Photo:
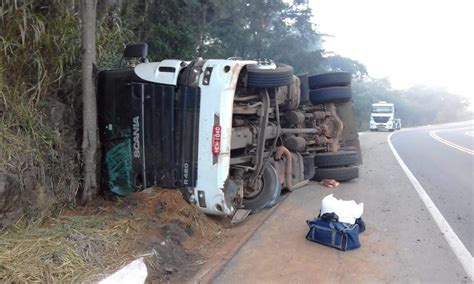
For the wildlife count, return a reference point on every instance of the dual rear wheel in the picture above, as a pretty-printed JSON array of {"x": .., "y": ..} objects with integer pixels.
[
  {"x": 340, "y": 166},
  {"x": 333, "y": 88}
]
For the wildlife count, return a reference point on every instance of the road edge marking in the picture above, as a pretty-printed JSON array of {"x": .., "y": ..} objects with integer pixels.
[
  {"x": 449, "y": 143},
  {"x": 461, "y": 252}
]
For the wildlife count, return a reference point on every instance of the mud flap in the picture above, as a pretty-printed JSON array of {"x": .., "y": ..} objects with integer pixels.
[{"x": 240, "y": 216}]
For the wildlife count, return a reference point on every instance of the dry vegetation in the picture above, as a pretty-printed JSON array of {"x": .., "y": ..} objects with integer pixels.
[{"x": 87, "y": 243}]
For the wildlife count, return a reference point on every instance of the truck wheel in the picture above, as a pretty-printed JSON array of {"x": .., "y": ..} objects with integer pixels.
[
  {"x": 257, "y": 77},
  {"x": 330, "y": 95},
  {"x": 335, "y": 159},
  {"x": 267, "y": 194},
  {"x": 329, "y": 80},
  {"x": 339, "y": 174}
]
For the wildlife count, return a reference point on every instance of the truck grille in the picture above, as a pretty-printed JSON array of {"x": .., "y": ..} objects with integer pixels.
[
  {"x": 381, "y": 119},
  {"x": 168, "y": 135},
  {"x": 149, "y": 133}
]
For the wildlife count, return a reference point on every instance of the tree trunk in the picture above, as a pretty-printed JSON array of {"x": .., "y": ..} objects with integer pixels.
[
  {"x": 90, "y": 139},
  {"x": 202, "y": 28}
]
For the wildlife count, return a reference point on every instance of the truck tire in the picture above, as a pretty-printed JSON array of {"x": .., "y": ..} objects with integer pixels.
[
  {"x": 335, "y": 159},
  {"x": 339, "y": 174},
  {"x": 329, "y": 80},
  {"x": 269, "y": 194},
  {"x": 269, "y": 78},
  {"x": 330, "y": 95}
]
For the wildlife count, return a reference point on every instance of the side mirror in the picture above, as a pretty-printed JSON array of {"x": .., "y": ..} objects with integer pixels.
[{"x": 135, "y": 51}]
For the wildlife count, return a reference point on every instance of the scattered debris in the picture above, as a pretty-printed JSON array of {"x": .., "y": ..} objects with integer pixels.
[
  {"x": 329, "y": 183},
  {"x": 338, "y": 224},
  {"x": 331, "y": 232},
  {"x": 347, "y": 210},
  {"x": 133, "y": 273}
]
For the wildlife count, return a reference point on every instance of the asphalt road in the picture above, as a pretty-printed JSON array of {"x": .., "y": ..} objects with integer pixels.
[
  {"x": 440, "y": 159},
  {"x": 402, "y": 242}
]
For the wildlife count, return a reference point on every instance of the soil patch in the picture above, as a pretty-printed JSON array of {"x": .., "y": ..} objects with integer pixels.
[{"x": 88, "y": 243}]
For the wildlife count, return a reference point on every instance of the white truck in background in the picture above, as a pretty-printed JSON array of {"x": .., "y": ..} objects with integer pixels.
[{"x": 382, "y": 117}]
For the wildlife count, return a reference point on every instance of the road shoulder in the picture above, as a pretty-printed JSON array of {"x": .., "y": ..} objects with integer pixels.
[{"x": 402, "y": 242}]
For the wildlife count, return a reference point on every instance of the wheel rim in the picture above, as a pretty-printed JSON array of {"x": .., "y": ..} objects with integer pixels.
[{"x": 250, "y": 193}]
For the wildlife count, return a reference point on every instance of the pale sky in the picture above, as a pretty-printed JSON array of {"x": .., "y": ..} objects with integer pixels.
[{"x": 428, "y": 42}]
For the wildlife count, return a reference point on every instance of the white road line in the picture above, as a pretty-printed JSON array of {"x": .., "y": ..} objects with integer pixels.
[
  {"x": 450, "y": 144},
  {"x": 461, "y": 252},
  {"x": 454, "y": 129},
  {"x": 469, "y": 133}
]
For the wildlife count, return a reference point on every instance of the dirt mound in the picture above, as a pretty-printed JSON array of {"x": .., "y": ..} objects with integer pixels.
[{"x": 171, "y": 208}]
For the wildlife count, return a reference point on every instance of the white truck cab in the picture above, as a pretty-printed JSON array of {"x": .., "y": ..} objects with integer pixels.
[{"x": 382, "y": 117}]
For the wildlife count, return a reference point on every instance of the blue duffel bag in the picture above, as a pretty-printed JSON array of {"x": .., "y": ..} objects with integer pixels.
[{"x": 333, "y": 233}]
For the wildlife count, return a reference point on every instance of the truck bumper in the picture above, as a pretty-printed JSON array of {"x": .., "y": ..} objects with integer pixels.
[
  {"x": 217, "y": 99},
  {"x": 381, "y": 126}
]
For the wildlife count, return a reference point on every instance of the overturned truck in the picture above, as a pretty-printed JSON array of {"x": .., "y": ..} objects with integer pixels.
[{"x": 229, "y": 134}]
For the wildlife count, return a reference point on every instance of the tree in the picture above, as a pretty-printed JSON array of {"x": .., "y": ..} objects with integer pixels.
[
  {"x": 271, "y": 29},
  {"x": 337, "y": 63},
  {"x": 90, "y": 140}
]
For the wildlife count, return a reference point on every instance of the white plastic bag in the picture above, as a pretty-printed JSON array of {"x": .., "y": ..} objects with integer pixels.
[
  {"x": 133, "y": 273},
  {"x": 347, "y": 211}
]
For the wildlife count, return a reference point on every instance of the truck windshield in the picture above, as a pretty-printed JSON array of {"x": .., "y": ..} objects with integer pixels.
[{"x": 382, "y": 109}]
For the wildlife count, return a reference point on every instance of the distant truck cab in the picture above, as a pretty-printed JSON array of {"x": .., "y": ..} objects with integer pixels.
[{"x": 382, "y": 117}]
